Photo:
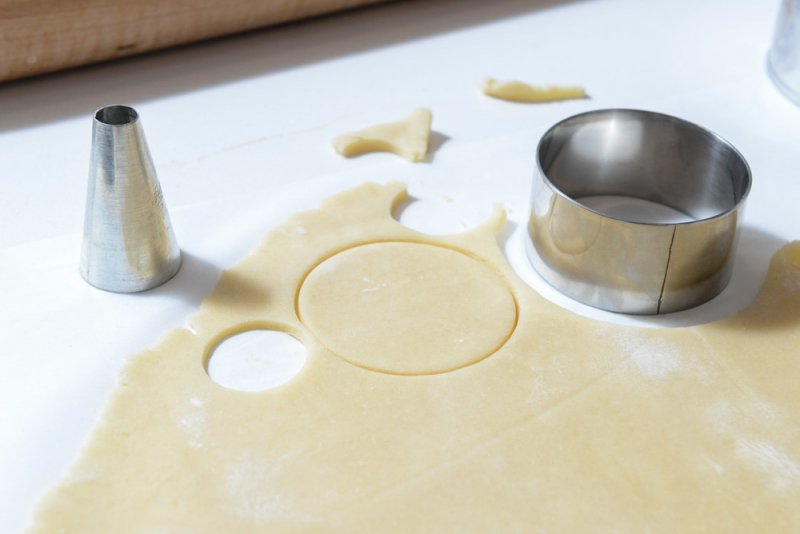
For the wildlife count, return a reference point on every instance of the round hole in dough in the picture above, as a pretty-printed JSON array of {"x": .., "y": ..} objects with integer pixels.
[
  {"x": 407, "y": 308},
  {"x": 256, "y": 360},
  {"x": 440, "y": 216}
]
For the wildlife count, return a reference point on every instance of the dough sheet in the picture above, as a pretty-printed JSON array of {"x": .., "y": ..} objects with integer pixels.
[{"x": 441, "y": 393}]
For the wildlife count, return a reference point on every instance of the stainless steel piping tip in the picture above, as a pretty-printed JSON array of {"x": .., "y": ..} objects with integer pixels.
[{"x": 128, "y": 242}]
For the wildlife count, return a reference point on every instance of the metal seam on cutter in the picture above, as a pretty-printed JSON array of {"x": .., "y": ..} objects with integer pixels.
[{"x": 666, "y": 272}]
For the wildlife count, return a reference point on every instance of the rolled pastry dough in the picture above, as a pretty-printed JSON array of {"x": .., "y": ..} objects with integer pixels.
[{"x": 550, "y": 421}]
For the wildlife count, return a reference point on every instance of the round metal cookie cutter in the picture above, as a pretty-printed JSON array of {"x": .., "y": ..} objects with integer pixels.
[{"x": 635, "y": 211}]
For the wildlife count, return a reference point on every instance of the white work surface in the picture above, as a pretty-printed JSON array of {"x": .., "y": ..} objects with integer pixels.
[{"x": 240, "y": 132}]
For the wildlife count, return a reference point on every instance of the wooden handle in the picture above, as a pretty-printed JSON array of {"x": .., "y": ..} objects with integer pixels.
[{"x": 38, "y": 36}]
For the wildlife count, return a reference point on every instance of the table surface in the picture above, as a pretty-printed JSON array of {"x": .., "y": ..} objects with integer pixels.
[{"x": 240, "y": 132}]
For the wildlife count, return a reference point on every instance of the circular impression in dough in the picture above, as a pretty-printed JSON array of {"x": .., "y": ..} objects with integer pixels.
[{"x": 407, "y": 308}]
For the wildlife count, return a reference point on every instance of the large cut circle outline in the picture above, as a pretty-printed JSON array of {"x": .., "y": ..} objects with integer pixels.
[{"x": 356, "y": 303}]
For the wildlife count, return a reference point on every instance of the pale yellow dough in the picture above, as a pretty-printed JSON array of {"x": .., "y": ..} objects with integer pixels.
[
  {"x": 523, "y": 417},
  {"x": 516, "y": 91},
  {"x": 408, "y": 138}
]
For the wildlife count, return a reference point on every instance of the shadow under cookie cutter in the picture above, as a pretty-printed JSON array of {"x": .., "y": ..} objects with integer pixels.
[{"x": 674, "y": 250}]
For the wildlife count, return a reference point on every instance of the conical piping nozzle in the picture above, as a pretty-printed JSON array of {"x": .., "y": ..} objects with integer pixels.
[{"x": 128, "y": 241}]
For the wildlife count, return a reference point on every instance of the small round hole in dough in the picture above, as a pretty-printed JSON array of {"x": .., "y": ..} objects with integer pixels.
[
  {"x": 439, "y": 216},
  {"x": 256, "y": 360}
]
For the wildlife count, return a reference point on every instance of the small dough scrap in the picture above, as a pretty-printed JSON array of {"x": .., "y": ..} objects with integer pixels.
[
  {"x": 516, "y": 91},
  {"x": 407, "y": 138}
]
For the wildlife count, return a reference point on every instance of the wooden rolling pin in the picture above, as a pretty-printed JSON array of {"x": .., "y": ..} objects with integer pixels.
[{"x": 38, "y": 36}]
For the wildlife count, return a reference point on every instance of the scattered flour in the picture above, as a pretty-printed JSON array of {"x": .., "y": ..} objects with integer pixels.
[
  {"x": 729, "y": 417},
  {"x": 655, "y": 358},
  {"x": 375, "y": 287},
  {"x": 252, "y": 487},
  {"x": 754, "y": 426},
  {"x": 782, "y": 470},
  {"x": 85, "y": 475},
  {"x": 717, "y": 467},
  {"x": 540, "y": 392},
  {"x": 193, "y": 424}
]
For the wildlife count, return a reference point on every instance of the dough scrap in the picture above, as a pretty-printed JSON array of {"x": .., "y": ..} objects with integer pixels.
[
  {"x": 516, "y": 91},
  {"x": 408, "y": 138},
  {"x": 570, "y": 425}
]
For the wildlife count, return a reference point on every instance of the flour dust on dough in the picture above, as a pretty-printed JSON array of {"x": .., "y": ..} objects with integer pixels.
[
  {"x": 408, "y": 138},
  {"x": 516, "y": 91},
  {"x": 541, "y": 420}
]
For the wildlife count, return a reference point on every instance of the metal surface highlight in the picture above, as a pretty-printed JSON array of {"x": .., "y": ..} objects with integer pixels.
[{"x": 128, "y": 241}]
